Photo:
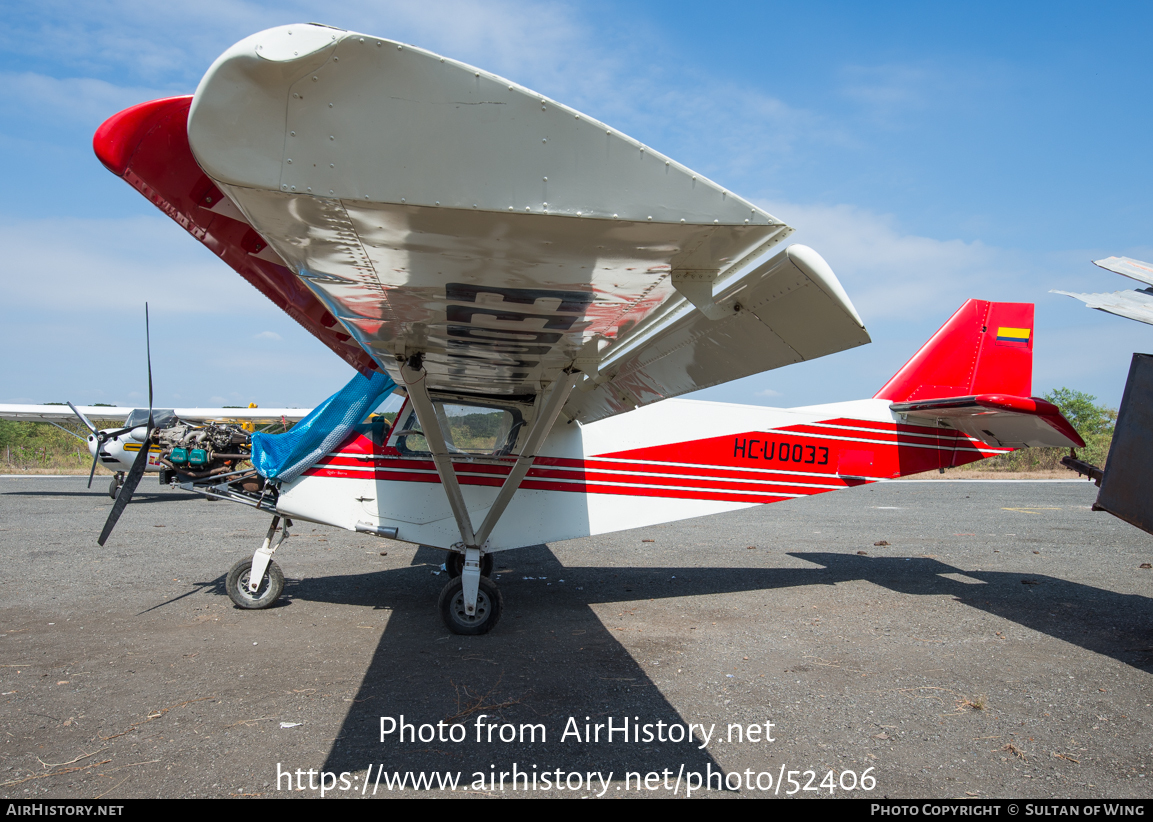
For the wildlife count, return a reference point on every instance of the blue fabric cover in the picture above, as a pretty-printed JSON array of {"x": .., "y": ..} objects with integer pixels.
[{"x": 286, "y": 456}]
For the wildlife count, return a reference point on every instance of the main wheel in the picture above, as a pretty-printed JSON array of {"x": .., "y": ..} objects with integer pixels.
[
  {"x": 455, "y": 565},
  {"x": 489, "y": 604},
  {"x": 269, "y": 591},
  {"x": 113, "y": 488}
]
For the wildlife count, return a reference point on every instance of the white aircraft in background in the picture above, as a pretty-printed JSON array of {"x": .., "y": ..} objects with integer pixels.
[
  {"x": 1132, "y": 304},
  {"x": 503, "y": 259},
  {"x": 116, "y": 448}
]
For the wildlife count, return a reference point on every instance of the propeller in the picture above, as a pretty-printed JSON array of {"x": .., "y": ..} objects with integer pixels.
[
  {"x": 83, "y": 419},
  {"x": 141, "y": 462},
  {"x": 103, "y": 436},
  {"x": 100, "y": 440}
]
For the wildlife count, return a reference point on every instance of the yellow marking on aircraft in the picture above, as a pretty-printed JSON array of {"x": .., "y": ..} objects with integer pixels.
[
  {"x": 135, "y": 446},
  {"x": 1014, "y": 334}
]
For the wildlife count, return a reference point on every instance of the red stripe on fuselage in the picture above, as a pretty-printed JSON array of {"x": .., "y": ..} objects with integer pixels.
[{"x": 756, "y": 466}]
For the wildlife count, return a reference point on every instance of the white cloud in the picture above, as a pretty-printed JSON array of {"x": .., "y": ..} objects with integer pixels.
[
  {"x": 891, "y": 274},
  {"x": 267, "y": 335},
  {"x": 115, "y": 265}
]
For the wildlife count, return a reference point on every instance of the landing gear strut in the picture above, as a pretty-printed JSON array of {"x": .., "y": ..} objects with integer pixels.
[
  {"x": 455, "y": 565},
  {"x": 116, "y": 484},
  {"x": 471, "y": 603},
  {"x": 256, "y": 583}
]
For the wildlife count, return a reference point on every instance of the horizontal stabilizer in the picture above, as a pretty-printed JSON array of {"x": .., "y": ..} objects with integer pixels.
[{"x": 996, "y": 419}]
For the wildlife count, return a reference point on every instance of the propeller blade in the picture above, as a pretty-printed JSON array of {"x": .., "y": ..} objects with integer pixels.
[
  {"x": 135, "y": 473},
  {"x": 83, "y": 418},
  {"x": 95, "y": 457},
  {"x": 148, "y": 351}
]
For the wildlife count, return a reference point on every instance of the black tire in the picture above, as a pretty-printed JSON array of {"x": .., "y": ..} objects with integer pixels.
[
  {"x": 269, "y": 591},
  {"x": 113, "y": 488},
  {"x": 489, "y": 605},
  {"x": 455, "y": 565}
]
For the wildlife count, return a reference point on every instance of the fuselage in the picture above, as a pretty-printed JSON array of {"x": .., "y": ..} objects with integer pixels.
[
  {"x": 674, "y": 460},
  {"x": 119, "y": 452}
]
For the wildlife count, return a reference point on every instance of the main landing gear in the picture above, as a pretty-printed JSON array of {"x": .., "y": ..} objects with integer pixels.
[
  {"x": 470, "y": 603},
  {"x": 454, "y": 608},
  {"x": 455, "y": 565},
  {"x": 484, "y": 616}
]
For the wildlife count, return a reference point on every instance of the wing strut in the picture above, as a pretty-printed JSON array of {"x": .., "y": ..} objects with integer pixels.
[
  {"x": 414, "y": 376},
  {"x": 557, "y": 396},
  {"x": 472, "y": 542}
]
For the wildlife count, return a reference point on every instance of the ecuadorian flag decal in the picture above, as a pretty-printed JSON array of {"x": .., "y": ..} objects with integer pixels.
[{"x": 1013, "y": 335}]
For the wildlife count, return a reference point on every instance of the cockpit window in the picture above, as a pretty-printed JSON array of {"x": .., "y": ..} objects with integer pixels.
[
  {"x": 472, "y": 430},
  {"x": 161, "y": 417}
]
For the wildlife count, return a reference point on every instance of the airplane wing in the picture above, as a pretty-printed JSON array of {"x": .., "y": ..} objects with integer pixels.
[
  {"x": 996, "y": 419},
  {"x": 1134, "y": 269},
  {"x": 397, "y": 202},
  {"x": 1134, "y": 304},
  {"x": 58, "y": 413}
]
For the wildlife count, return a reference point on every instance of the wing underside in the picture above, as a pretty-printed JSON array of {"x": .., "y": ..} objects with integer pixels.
[{"x": 405, "y": 204}]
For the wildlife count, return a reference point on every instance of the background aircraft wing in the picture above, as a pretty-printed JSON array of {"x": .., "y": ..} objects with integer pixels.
[
  {"x": 397, "y": 202},
  {"x": 58, "y": 413},
  {"x": 1135, "y": 304},
  {"x": 1134, "y": 269}
]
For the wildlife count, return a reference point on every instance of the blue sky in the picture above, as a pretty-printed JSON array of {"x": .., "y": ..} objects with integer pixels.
[{"x": 930, "y": 152}]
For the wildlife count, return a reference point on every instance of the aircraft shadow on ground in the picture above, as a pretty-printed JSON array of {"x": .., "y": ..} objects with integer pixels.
[
  {"x": 551, "y": 657},
  {"x": 1096, "y": 619}
]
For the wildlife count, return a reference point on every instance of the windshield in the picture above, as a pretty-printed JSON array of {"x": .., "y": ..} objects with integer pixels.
[
  {"x": 161, "y": 417},
  {"x": 476, "y": 430}
]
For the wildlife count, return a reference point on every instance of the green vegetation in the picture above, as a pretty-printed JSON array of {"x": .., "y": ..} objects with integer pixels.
[
  {"x": 1093, "y": 422},
  {"x": 477, "y": 432},
  {"x": 38, "y": 446}
]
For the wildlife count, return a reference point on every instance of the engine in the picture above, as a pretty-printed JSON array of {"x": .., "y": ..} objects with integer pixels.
[{"x": 201, "y": 451}]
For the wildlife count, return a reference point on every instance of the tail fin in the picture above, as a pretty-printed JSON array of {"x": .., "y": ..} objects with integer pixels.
[{"x": 985, "y": 348}]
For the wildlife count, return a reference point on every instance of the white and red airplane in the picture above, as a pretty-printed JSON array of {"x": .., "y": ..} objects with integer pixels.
[
  {"x": 116, "y": 448},
  {"x": 540, "y": 287}
]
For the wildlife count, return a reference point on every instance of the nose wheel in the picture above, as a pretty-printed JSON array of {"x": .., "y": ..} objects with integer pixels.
[
  {"x": 116, "y": 484},
  {"x": 239, "y": 587}
]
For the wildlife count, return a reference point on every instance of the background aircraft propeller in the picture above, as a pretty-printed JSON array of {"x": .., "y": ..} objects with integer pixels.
[{"x": 141, "y": 461}]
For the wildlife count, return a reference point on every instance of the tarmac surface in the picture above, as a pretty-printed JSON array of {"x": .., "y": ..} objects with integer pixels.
[{"x": 930, "y": 640}]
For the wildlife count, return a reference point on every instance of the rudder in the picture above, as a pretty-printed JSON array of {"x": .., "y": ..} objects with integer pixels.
[{"x": 984, "y": 348}]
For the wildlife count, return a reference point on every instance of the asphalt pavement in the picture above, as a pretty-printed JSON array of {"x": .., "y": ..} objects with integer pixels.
[{"x": 907, "y": 639}]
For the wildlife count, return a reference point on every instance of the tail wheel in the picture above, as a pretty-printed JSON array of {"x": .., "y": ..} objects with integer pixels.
[
  {"x": 489, "y": 605},
  {"x": 455, "y": 565},
  {"x": 266, "y": 594}
]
